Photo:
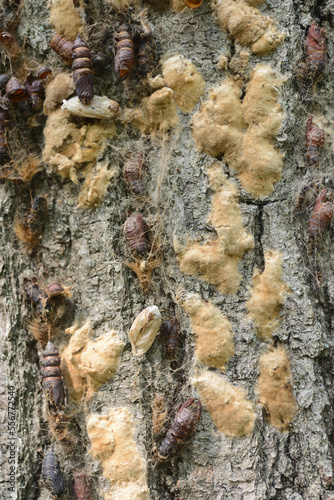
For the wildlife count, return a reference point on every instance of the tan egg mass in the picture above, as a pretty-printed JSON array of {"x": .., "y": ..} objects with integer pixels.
[
  {"x": 214, "y": 336},
  {"x": 244, "y": 132},
  {"x": 112, "y": 442},
  {"x": 65, "y": 18},
  {"x": 132, "y": 490},
  {"x": 96, "y": 185},
  {"x": 182, "y": 77},
  {"x": 156, "y": 115},
  {"x": 217, "y": 260},
  {"x": 247, "y": 25},
  {"x": 60, "y": 88},
  {"x": 88, "y": 364},
  {"x": 232, "y": 413},
  {"x": 275, "y": 387},
  {"x": 70, "y": 147},
  {"x": 268, "y": 295}
]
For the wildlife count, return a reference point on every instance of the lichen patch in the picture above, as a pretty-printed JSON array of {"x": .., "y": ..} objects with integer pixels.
[
  {"x": 112, "y": 442},
  {"x": 244, "y": 132},
  {"x": 214, "y": 336},
  {"x": 182, "y": 77},
  {"x": 232, "y": 413},
  {"x": 217, "y": 260},
  {"x": 268, "y": 295},
  {"x": 241, "y": 20},
  {"x": 65, "y": 18},
  {"x": 275, "y": 387},
  {"x": 88, "y": 364},
  {"x": 156, "y": 115}
]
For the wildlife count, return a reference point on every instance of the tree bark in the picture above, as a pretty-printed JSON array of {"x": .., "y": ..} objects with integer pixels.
[{"x": 86, "y": 248}]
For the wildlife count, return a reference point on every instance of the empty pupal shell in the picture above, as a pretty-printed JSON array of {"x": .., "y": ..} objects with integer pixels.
[
  {"x": 193, "y": 4},
  {"x": 144, "y": 330},
  {"x": 99, "y": 107}
]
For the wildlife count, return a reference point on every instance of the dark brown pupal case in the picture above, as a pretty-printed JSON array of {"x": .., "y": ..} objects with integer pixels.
[
  {"x": 52, "y": 381},
  {"x": 36, "y": 93},
  {"x": 135, "y": 231},
  {"x": 132, "y": 172},
  {"x": 321, "y": 215},
  {"x": 82, "y": 71},
  {"x": 125, "y": 56},
  {"x": 182, "y": 429},
  {"x": 38, "y": 298},
  {"x": 146, "y": 58},
  {"x": 33, "y": 224},
  {"x": 56, "y": 290},
  {"x": 16, "y": 91},
  {"x": 315, "y": 52},
  {"x": 43, "y": 72},
  {"x": 52, "y": 476},
  {"x": 170, "y": 329},
  {"x": 81, "y": 487},
  {"x": 62, "y": 47},
  {"x": 315, "y": 138}
]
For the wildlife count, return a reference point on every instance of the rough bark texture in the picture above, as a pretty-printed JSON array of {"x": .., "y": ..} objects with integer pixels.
[{"x": 86, "y": 248}]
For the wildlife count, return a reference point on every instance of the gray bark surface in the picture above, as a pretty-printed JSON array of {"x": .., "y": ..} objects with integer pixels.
[{"x": 86, "y": 248}]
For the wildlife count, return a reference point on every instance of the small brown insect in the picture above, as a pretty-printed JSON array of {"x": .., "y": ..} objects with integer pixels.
[
  {"x": 135, "y": 230},
  {"x": 52, "y": 381},
  {"x": 36, "y": 93},
  {"x": 37, "y": 297},
  {"x": 31, "y": 228},
  {"x": 16, "y": 91},
  {"x": 321, "y": 215},
  {"x": 81, "y": 487},
  {"x": 125, "y": 56},
  {"x": 170, "y": 329},
  {"x": 52, "y": 475},
  {"x": 4, "y": 155},
  {"x": 315, "y": 138},
  {"x": 182, "y": 429},
  {"x": 82, "y": 71},
  {"x": 132, "y": 171},
  {"x": 159, "y": 414},
  {"x": 193, "y": 4},
  {"x": 146, "y": 58},
  {"x": 43, "y": 72},
  {"x": 62, "y": 47},
  {"x": 315, "y": 51}
]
